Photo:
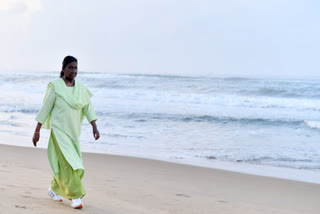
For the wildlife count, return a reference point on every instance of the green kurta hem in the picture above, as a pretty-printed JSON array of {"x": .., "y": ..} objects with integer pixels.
[
  {"x": 67, "y": 182},
  {"x": 63, "y": 110}
]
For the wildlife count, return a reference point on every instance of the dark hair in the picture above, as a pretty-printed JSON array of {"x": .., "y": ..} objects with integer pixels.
[{"x": 66, "y": 61}]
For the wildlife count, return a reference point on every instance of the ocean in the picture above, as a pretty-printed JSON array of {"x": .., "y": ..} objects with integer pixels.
[{"x": 261, "y": 126}]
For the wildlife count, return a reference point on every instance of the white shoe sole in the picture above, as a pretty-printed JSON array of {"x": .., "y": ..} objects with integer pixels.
[
  {"x": 77, "y": 203},
  {"x": 54, "y": 196},
  {"x": 77, "y": 206}
]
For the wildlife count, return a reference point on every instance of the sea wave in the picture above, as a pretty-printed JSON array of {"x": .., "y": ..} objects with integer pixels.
[
  {"x": 231, "y": 86},
  {"x": 188, "y": 118},
  {"x": 313, "y": 124},
  {"x": 288, "y": 162},
  {"x": 148, "y": 94},
  {"x": 17, "y": 108},
  {"x": 185, "y": 118}
]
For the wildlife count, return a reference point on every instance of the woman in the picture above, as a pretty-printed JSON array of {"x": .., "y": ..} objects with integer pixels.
[{"x": 66, "y": 103}]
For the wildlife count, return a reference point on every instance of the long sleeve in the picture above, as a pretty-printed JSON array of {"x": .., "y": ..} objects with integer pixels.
[
  {"x": 89, "y": 112},
  {"x": 47, "y": 106}
]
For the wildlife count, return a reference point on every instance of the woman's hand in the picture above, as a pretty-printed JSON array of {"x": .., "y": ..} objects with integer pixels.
[
  {"x": 35, "y": 139},
  {"x": 95, "y": 131},
  {"x": 36, "y": 135}
]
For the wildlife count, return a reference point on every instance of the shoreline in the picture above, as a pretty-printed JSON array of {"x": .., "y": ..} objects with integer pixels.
[
  {"x": 301, "y": 175},
  {"x": 118, "y": 184},
  {"x": 292, "y": 174}
]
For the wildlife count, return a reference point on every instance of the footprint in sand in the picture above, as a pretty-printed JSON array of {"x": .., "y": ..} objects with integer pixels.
[
  {"x": 28, "y": 196},
  {"x": 21, "y": 207},
  {"x": 35, "y": 188},
  {"x": 222, "y": 201},
  {"x": 183, "y": 195}
]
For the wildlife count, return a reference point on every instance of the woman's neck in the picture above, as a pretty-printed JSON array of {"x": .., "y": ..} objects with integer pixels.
[{"x": 68, "y": 81}]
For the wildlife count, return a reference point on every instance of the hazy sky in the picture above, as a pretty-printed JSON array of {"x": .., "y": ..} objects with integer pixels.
[{"x": 183, "y": 37}]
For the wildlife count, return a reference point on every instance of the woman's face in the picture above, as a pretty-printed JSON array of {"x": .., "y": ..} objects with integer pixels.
[{"x": 70, "y": 71}]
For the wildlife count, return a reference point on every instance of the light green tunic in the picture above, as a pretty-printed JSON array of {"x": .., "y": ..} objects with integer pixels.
[{"x": 63, "y": 111}]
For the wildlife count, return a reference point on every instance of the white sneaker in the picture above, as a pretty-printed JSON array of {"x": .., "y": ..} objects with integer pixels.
[
  {"x": 77, "y": 203},
  {"x": 53, "y": 195}
]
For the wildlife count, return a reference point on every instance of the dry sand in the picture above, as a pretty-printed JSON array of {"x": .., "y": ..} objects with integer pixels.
[{"x": 126, "y": 185}]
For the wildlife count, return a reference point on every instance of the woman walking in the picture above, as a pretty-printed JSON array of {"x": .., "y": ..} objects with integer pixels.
[{"x": 66, "y": 103}]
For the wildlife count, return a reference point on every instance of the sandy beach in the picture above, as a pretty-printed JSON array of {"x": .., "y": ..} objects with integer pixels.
[{"x": 122, "y": 185}]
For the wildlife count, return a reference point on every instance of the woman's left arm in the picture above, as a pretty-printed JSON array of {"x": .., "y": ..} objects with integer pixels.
[{"x": 91, "y": 115}]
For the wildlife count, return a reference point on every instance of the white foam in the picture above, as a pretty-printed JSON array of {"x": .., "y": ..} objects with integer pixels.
[{"x": 313, "y": 124}]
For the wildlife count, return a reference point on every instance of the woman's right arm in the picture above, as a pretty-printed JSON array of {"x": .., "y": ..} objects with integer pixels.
[{"x": 44, "y": 112}]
